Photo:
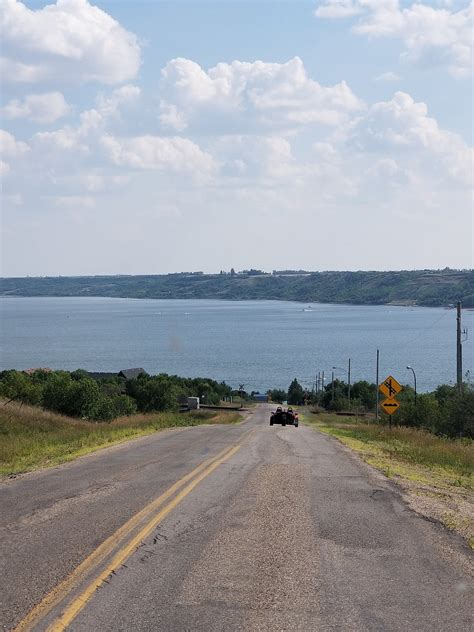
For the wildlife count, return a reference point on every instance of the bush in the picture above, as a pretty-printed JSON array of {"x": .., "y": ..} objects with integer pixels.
[
  {"x": 425, "y": 414},
  {"x": 124, "y": 406},
  {"x": 337, "y": 405},
  {"x": 458, "y": 416}
]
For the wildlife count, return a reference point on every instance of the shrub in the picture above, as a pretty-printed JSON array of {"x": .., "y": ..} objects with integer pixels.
[
  {"x": 124, "y": 405},
  {"x": 18, "y": 386}
]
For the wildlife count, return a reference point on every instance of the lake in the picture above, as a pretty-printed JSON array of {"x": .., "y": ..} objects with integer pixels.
[{"x": 262, "y": 344}]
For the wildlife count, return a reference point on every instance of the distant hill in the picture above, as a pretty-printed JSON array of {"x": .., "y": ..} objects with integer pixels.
[{"x": 419, "y": 287}]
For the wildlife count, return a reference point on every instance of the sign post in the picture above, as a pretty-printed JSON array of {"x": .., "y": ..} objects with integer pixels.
[{"x": 390, "y": 388}]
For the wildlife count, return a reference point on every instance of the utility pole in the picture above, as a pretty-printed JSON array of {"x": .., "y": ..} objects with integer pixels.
[
  {"x": 377, "y": 396},
  {"x": 332, "y": 384},
  {"x": 458, "y": 348},
  {"x": 349, "y": 384}
]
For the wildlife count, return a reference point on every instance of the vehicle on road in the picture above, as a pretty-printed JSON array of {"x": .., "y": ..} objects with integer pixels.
[{"x": 284, "y": 417}]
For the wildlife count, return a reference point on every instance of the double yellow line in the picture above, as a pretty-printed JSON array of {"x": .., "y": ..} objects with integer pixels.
[{"x": 124, "y": 543}]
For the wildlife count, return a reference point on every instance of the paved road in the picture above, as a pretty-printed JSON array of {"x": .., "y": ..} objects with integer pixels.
[{"x": 285, "y": 531}]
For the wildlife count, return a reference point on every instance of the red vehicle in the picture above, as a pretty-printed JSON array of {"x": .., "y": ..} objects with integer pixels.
[{"x": 284, "y": 417}]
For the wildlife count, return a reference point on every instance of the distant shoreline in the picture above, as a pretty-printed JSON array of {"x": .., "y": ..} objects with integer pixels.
[
  {"x": 419, "y": 288},
  {"x": 236, "y": 300}
]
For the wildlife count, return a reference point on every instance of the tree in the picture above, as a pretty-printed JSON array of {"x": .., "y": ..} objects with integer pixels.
[
  {"x": 277, "y": 395},
  {"x": 85, "y": 400},
  {"x": 366, "y": 394},
  {"x": 153, "y": 393},
  {"x": 295, "y": 393},
  {"x": 338, "y": 388},
  {"x": 55, "y": 392},
  {"x": 18, "y": 386}
]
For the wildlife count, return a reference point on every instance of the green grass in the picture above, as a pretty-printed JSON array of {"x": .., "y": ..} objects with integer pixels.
[
  {"x": 31, "y": 438},
  {"x": 405, "y": 452}
]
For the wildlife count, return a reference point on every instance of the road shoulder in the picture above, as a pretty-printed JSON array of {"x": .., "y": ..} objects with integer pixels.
[{"x": 450, "y": 509}]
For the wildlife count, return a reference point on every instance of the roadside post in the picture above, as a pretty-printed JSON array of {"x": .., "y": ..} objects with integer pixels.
[
  {"x": 390, "y": 388},
  {"x": 241, "y": 391},
  {"x": 377, "y": 398}
]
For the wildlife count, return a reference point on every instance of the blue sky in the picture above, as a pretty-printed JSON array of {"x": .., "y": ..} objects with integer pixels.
[{"x": 152, "y": 137}]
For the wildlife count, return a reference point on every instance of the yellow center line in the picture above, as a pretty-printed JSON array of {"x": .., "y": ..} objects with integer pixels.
[
  {"x": 57, "y": 594},
  {"x": 81, "y": 601}
]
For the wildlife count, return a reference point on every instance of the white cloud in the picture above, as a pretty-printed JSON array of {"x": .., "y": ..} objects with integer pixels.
[
  {"x": 110, "y": 105},
  {"x": 4, "y": 168},
  {"x": 256, "y": 158},
  {"x": 66, "y": 138},
  {"x": 436, "y": 36},
  {"x": 68, "y": 41},
  {"x": 9, "y": 146},
  {"x": 388, "y": 77},
  {"x": 96, "y": 182},
  {"x": 74, "y": 201},
  {"x": 155, "y": 152},
  {"x": 402, "y": 127},
  {"x": 244, "y": 96},
  {"x": 11, "y": 149},
  {"x": 16, "y": 199},
  {"x": 91, "y": 122},
  {"x": 339, "y": 9},
  {"x": 40, "y": 108}
]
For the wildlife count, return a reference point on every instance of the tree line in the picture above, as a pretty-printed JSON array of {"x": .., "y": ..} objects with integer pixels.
[
  {"x": 444, "y": 411},
  {"x": 76, "y": 394},
  {"x": 414, "y": 287}
]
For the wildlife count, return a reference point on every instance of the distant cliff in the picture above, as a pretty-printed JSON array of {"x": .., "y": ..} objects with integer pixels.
[{"x": 419, "y": 287}]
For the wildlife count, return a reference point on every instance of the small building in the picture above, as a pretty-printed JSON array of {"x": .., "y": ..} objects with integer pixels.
[
  {"x": 125, "y": 374},
  {"x": 260, "y": 398},
  {"x": 131, "y": 374}
]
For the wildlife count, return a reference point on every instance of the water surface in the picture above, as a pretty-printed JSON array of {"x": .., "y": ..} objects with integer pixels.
[{"x": 261, "y": 344}]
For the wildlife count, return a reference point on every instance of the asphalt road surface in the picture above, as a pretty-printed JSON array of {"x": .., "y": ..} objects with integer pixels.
[{"x": 246, "y": 527}]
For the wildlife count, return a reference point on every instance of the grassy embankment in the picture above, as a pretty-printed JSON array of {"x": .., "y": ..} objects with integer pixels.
[
  {"x": 437, "y": 471},
  {"x": 31, "y": 438}
]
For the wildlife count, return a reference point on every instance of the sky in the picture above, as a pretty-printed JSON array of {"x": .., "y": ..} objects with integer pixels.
[{"x": 155, "y": 137}]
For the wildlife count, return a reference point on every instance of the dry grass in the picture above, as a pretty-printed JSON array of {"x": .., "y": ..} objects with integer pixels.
[
  {"x": 454, "y": 458},
  {"x": 31, "y": 438}
]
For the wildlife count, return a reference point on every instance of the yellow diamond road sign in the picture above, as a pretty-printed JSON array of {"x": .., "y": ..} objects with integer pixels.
[
  {"x": 390, "y": 387},
  {"x": 390, "y": 406}
]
